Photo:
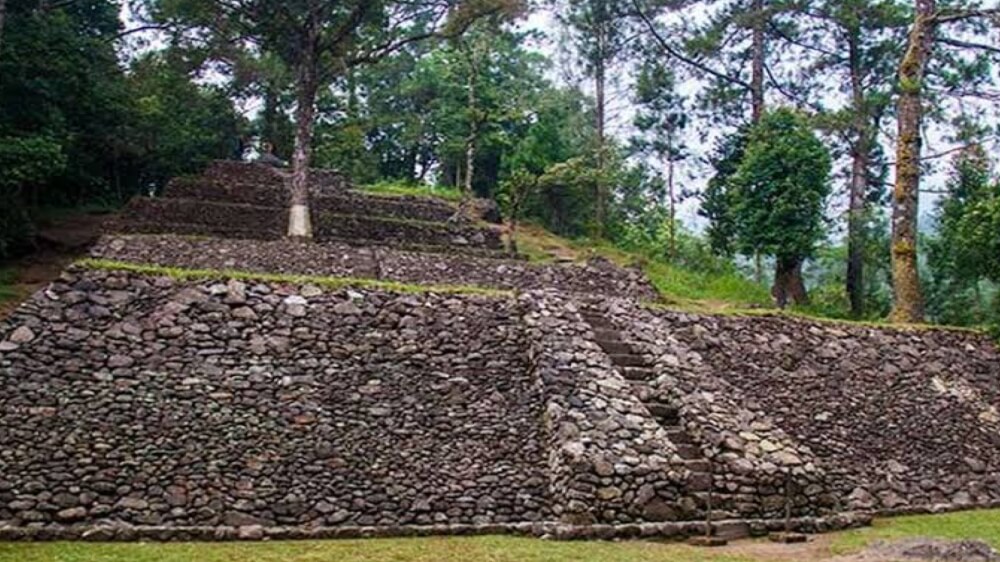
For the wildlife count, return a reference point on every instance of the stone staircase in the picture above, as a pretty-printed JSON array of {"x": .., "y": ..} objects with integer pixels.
[{"x": 640, "y": 373}]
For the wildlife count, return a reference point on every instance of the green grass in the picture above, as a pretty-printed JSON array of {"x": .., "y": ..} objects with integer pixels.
[
  {"x": 679, "y": 287},
  {"x": 333, "y": 283},
  {"x": 981, "y": 525},
  {"x": 399, "y": 189},
  {"x": 707, "y": 290},
  {"x": 476, "y": 549}
]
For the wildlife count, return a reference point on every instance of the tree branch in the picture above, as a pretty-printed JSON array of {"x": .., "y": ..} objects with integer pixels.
[
  {"x": 946, "y": 17},
  {"x": 680, "y": 56},
  {"x": 968, "y": 45}
]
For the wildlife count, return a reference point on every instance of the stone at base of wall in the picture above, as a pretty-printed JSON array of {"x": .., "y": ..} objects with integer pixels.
[
  {"x": 936, "y": 508},
  {"x": 555, "y": 531}
]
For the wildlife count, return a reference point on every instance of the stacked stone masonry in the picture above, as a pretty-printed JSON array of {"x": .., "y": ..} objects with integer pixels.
[
  {"x": 152, "y": 402},
  {"x": 342, "y": 260},
  {"x": 135, "y": 405},
  {"x": 249, "y": 201}
]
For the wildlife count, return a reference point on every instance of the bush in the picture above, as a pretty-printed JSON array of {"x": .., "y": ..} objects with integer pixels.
[{"x": 16, "y": 230}]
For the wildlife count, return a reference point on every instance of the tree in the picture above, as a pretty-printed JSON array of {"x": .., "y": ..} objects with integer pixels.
[
  {"x": 779, "y": 194},
  {"x": 600, "y": 32},
  {"x": 319, "y": 42},
  {"x": 177, "y": 126},
  {"x": 961, "y": 253},
  {"x": 730, "y": 50},
  {"x": 661, "y": 120},
  {"x": 3, "y": 14},
  {"x": 717, "y": 199},
  {"x": 927, "y": 34},
  {"x": 859, "y": 40}
]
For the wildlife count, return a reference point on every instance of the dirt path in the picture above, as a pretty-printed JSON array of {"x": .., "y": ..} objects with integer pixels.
[{"x": 59, "y": 244}]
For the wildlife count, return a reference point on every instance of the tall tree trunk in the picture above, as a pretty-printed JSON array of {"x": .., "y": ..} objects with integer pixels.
[
  {"x": 860, "y": 152},
  {"x": 600, "y": 84},
  {"x": 672, "y": 196},
  {"x": 908, "y": 303},
  {"x": 473, "y": 138},
  {"x": 299, "y": 218},
  {"x": 758, "y": 54},
  {"x": 3, "y": 14},
  {"x": 788, "y": 286}
]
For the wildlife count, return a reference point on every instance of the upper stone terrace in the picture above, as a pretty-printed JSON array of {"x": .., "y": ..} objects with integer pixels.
[{"x": 249, "y": 201}]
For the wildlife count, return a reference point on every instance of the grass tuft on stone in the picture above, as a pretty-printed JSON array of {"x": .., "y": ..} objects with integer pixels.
[{"x": 333, "y": 283}]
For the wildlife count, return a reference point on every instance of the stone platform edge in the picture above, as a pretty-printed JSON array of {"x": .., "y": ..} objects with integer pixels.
[{"x": 679, "y": 530}]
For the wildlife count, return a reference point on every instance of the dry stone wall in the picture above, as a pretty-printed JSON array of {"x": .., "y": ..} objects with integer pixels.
[
  {"x": 608, "y": 460},
  {"x": 249, "y": 201},
  {"x": 200, "y": 218},
  {"x": 906, "y": 420},
  {"x": 343, "y": 260},
  {"x": 147, "y": 401},
  {"x": 759, "y": 470}
]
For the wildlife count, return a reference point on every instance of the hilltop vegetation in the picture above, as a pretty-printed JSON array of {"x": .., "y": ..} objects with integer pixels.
[{"x": 782, "y": 176}]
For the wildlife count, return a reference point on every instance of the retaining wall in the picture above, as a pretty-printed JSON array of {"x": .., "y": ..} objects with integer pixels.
[
  {"x": 344, "y": 260},
  {"x": 145, "y": 401}
]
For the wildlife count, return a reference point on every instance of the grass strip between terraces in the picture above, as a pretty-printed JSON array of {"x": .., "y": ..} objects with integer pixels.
[
  {"x": 398, "y": 189},
  {"x": 327, "y": 282},
  {"x": 969, "y": 525},
  {"x": 434, "y": 225}
]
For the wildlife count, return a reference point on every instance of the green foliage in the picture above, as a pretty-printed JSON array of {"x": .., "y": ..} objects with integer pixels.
[
  {"x": 398, "y": 188},
  {"x": 780, "y": 187},
  {"x": 7, "y": 278},
  {"x": 717, "y": 201},
  {"x": 713, "y": 289},
  {"x": 964, "y": 255},
  {"x": 75, "y": 129},
  {"x": 177, "y": 127},
  {"x": 327, "y": 282},
  {"x": 60, "y": 80},
  {"x": 827, "y": 273},
  {"x": 29, "y": 161}
]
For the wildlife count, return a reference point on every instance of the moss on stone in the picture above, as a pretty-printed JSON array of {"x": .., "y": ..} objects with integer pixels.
[{"x": 327, "y": 282}]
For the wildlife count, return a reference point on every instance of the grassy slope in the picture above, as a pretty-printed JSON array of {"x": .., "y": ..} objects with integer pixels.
[
  {"x": 681, "y": 288},
  {"x": 981, "y": 525}
]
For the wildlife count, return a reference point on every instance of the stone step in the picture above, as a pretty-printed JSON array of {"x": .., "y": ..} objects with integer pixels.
[
  {"x": 688, "y": 451},
  {"x": 678, "y": 435},
  {"x": 612, "y": 347},
  {"x": 597, "y": 321},
  {"x": 644, "y": 374},
  {"x": 628, "y": 360},
  {"x": 699, "y": 482},
  {"x": 698, "y": 466},
  {"x": 603, "y": 334},
  {"x": 661, "y": 410}
]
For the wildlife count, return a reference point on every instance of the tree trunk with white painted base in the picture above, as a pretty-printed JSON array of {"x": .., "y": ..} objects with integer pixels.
[{"x": 299, "y": 215}]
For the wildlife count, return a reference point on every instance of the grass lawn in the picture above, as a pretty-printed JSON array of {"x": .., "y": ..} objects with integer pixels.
[
  {"x": 983, "y": 525},
  {"x": 477, "y": 549}
]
